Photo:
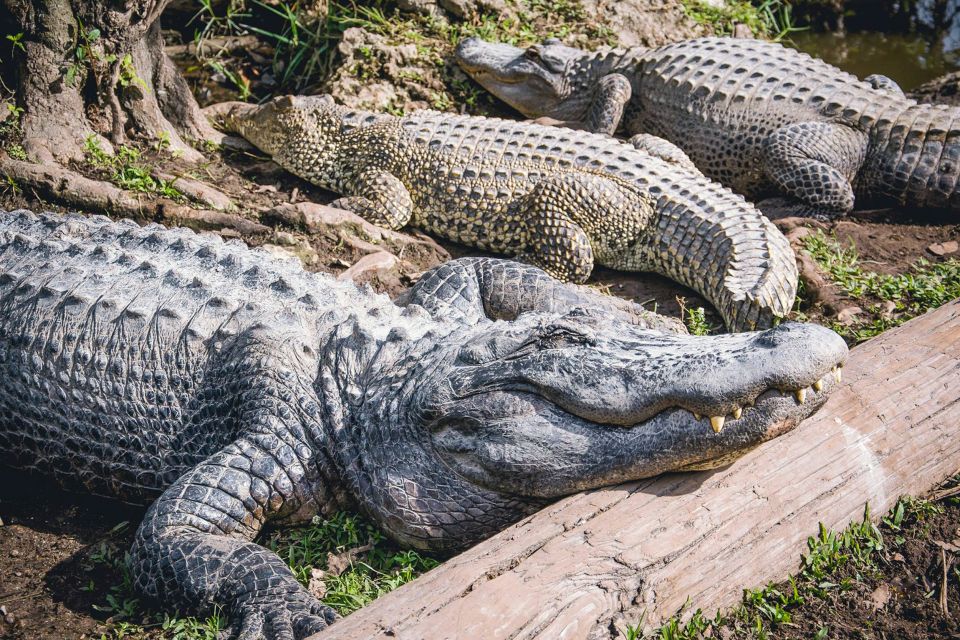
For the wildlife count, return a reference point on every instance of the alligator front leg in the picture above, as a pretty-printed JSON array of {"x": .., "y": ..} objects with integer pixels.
[
  {"x": 663, "y": 149},
  {"x": 814, "y": 162},
  {"x": 471, "y": 289},
  {"x": 194, "y": 549},
  {"x": 606, "y": 110},
  {"x": 379, "y": 198}
]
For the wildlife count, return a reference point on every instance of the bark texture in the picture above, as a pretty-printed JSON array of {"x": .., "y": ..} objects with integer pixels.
[{"x": 120, "y": 85}]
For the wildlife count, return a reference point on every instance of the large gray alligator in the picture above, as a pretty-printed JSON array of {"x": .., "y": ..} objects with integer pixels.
[
  {"x": 560, "y": 199},
  {"x": 762, "y": 119},
  {"x": 234, "y": 390}
]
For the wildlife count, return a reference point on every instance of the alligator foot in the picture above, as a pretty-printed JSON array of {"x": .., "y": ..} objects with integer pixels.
[{"x": 782, "y": 208}]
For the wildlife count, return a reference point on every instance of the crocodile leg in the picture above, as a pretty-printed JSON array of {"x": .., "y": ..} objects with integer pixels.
[
  {"x": 883, "y": 83},
  {"x": 814, "y": 162},
  {"x": 385, "y": 201},
  {"x": 563, "y": 212},
  {"x": 194, "y": 549},
  {"x": 471, "y": 289},
  {"x": 663, "y": 149},
  {"x": 606, "y": 110}
]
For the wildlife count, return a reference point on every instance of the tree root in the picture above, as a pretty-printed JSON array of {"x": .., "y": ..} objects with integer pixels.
[
  {"x": 199, "y": 191},
  {"x": 74, "y": 190}
]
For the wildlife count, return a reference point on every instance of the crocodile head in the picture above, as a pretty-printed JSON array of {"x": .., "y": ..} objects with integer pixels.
[
  {"x": 465, "y": 433},
  {"x": 541, "y": 80}
]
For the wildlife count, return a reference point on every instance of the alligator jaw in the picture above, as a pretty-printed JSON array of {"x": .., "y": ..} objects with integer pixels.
[{"x": 554, "y": 421}]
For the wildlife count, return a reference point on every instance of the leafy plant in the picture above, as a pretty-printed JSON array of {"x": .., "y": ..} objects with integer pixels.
[
  {"x": 834, "y": 562},
  {"x": 375, "y": 567},
  {"x": 128, "y": 172},
  {"x": 925, "y": 287},
  {"x": 764, "y": 18}
]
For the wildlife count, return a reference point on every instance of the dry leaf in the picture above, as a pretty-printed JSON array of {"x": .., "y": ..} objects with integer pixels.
[
  {"x": 340, "y": 562},
  {"x": 317, "y": 587},
  {"x": 880, "y": 597}
]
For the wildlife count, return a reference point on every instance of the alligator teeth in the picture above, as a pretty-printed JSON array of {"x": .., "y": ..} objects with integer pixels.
[
  {"x": 800, "y": 395},
  {"x": 818, "y": 386},
  {"x": 697, "y": 416},
  {"x": 737, "y": 412},
  {"x": 837, "y": 373},
  {"x": 716, "y": 422}
]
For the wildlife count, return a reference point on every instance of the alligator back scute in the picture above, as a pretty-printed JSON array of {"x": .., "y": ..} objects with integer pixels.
[{"x": 115, "y": 344}]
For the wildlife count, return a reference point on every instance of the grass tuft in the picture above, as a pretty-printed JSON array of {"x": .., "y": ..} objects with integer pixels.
[
  {"x": 128, "y": 171},
  {"x": 765, "y": 18},
  {"x": 926, "y": 286},
  {"x": 373, "y": 565},
  {"x": 835, "y": 563}
]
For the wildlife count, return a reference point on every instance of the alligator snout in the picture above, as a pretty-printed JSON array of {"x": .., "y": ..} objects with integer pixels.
[{"x": 589, "y": 408}]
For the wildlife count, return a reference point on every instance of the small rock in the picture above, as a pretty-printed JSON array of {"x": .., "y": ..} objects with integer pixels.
[
  {"x": 887, "y": 308},
  {"x": 9, "y": 618},
  {"x": 943, "y": 248},
  {"x": 741, "y": 30},
  {"x": 278, "y": 251},
  {"x": 285, "y": 238},
  {"x": 3, "y": 610},
  {"x": 847, "y": 315},
  {"x": 379, "y": 261},
  {"x": 15, "y": 553}
]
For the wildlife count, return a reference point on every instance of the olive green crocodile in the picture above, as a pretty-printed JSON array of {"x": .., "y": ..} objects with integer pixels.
[{"x": 561, "y": 199}]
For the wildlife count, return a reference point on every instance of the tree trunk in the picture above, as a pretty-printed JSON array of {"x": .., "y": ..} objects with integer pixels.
[{"x": 98, "y": 69}]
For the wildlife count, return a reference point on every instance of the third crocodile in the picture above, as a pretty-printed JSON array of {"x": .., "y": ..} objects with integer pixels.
[
  {"x": 763, "y": 119},
  {"x": 559, "y": 198}
]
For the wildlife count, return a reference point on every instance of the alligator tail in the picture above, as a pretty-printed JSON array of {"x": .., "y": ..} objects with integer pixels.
[
  {"x": 914, "y": 158},
  {"x": 724, "y": 248}
]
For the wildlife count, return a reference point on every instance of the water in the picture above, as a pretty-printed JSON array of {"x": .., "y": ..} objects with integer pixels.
[
  {"x": 909, "y": 58},
  {"x": 911, "y": 41}
]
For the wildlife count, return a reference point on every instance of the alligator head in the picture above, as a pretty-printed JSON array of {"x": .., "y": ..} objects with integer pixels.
[
  {"x": 465, "y": 433},
  {"x": 542, "y": 80}
]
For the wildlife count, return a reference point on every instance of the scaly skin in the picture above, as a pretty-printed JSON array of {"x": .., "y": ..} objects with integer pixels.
[
  {"x": 235, "y": 390},
  {"x": 762, "y": 119},
  {"x": 560, "y": 199}
]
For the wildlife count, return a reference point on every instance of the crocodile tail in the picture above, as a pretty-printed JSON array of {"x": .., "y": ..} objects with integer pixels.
[
  {"x": 724, "y": 248},
  {"x": 914, "y": 158}
]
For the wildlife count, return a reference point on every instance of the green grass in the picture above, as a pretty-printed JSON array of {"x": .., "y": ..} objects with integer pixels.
[
  {"x": 372, "y": 571},
  {"x": 128, "y": 171},
  {"x": 765, "y": 18},
  {"x": 375, "y": 567},
  {"x": 835, "y": 563},
  {"x": 304, "y": 40},
  {"x": 926, "y": 286},
  {"x": 128, "y": 618},
  {"x": 695, "y": 318}
]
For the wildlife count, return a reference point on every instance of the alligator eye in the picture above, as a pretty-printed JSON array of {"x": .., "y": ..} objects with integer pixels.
[{"x": 533, "y": 53}]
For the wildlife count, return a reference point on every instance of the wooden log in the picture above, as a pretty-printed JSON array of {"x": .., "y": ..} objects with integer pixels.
[{"x": 589, "y": 564}]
